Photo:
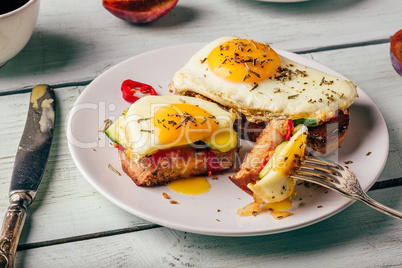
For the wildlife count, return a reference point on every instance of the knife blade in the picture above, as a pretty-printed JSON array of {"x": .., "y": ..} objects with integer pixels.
[{"x": 29, "y": 166}]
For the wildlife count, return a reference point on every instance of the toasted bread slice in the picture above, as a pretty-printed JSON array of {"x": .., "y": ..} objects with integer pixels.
[
  {"x": 262, "y": 151},
  {"x": 322, "y": 140},
  {"x": 172, "y": 164}
]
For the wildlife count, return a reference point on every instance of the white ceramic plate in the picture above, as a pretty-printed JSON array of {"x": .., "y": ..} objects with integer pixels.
[{"x": 212, "y": 213}]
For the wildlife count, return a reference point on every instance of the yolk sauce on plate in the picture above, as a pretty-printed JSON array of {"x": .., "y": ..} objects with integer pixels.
[
  {"x": 190, "y": 186},
  {"x": 279, "y": 206}
]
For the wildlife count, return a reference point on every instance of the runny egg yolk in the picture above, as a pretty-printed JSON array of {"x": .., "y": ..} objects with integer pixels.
[
  {"x": 190, "y": 186},
  {"x": 181, "y": 124},
  {"x": 243, "y": 60},
  {"x": 279, "y": 206}
]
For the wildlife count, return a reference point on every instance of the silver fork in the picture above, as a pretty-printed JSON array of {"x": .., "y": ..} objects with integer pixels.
[{"x": 338, "y": 178}]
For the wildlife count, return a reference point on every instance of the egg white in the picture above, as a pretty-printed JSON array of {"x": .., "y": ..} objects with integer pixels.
[
  {"x": 136, "y": 130},
  {"x": 308, "y": 94}
]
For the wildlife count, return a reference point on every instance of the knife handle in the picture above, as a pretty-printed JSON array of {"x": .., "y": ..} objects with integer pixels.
[{"x": 12, "y": 227}]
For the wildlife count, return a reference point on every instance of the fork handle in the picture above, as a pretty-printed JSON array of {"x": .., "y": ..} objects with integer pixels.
[{"x": 380, "y": 207}]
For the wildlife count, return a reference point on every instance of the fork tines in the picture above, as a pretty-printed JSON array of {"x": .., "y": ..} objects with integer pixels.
[
  {"x": 318, "y": 171},
  {"x": 340, "y": 179}
]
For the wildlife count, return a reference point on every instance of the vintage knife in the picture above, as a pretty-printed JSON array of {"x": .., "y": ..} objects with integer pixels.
[{"x": 29, "y": 166}]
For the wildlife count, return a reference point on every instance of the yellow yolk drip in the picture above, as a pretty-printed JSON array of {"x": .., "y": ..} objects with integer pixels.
[
  {"x": 244, "y": 60},
  {"x": 181, "y": 124},
  {"x": 190, "y": 186},
  {"x": 279, "y": 206}
]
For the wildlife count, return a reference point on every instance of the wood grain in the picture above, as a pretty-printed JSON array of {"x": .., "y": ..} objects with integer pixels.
[
  {"x": 65, "y": 199},
  {"x": 357, "y": 237}
]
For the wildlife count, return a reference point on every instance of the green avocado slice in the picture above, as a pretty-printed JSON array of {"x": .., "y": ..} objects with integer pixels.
[
  {"x": 306, "y": 121},
  {"x": 268, "y": 166},
  {"x": 113, "y": 130}
]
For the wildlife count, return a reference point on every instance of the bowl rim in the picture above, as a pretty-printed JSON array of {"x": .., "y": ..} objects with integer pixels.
[{"x": 26, "y": 5}]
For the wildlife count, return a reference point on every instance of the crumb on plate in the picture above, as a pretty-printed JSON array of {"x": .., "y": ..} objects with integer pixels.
[{"x": 277, "y": 215}]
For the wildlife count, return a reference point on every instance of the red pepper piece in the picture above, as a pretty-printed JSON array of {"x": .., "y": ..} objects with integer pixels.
[
  {"x": 116, "y": 145},
  {"x": 290, "y": 129},
  {"x": 152, "y": 91},
  {"x": 128, "y": 96},
  {"x": 130, "y": 87},
  {"x": 264, "y": 162},
  {"x": 212, "y": 163},
  {"x": 144, "y": 88}
]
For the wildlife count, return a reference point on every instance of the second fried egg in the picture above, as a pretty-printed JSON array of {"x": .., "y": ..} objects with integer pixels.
[
  {"x": 160, "y": 122},
  {"x": 252, "y": 78}
]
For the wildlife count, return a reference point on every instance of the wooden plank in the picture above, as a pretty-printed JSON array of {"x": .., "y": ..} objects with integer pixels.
[
  {"x": 357, "y": 237},
  {"x": 66, "y": 200},
  {"x": 75, "y": 41}
]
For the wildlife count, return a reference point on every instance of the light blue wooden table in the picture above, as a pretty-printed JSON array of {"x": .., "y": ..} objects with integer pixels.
[{"x": 71, "y": 225}]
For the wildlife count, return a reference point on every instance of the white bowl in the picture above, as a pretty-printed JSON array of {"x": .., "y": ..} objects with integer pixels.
[{"x": 16, "y": 28}]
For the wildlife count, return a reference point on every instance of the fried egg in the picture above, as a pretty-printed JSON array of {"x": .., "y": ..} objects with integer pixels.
[
  {"x": 252, "y": 78},
  {"x": 160, "y": 122}
]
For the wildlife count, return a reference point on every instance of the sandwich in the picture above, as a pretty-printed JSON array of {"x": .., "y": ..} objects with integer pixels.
[
  {"x": 259, "y": 84},
  {"x": 286, "y": 108},
  {"x": 165, "y": 138}
]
